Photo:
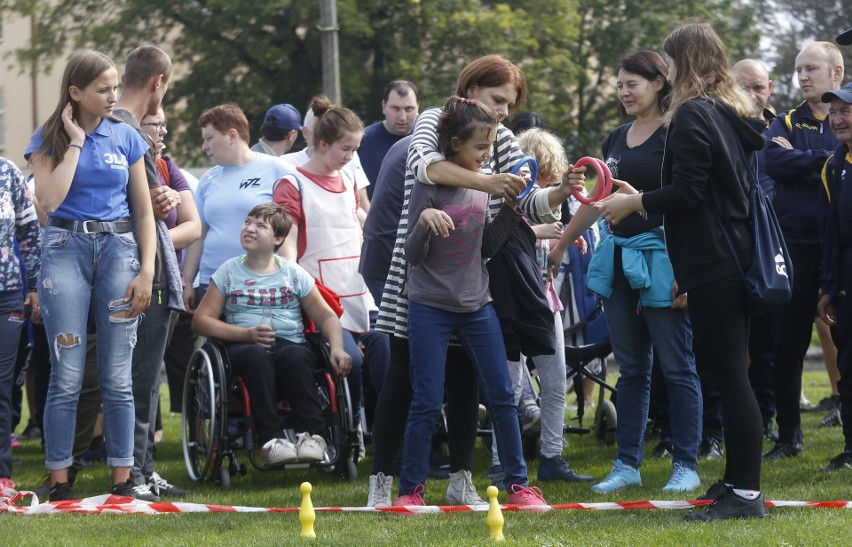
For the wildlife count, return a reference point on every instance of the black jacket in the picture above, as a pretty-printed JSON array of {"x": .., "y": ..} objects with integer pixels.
[
  {"x": 514, "y": 277},
  {"x": 704, "y": 169}
]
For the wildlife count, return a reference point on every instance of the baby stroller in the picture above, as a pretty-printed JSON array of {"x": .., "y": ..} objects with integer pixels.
[
  {"x": 217, "y": 418},
  {"x": 587, "y": 341}
]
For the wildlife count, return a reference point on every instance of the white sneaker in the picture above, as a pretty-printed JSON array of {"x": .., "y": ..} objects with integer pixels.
[
  {"x": 279, "y": 451},
  {"x": 461, "y": 490},
  {"x": 380, "y": 490},
  {"x": 310, "y": 448}
]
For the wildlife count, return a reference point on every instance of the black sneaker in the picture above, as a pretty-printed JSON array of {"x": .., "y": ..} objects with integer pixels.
[
  {"x": 714, "y": 492},
  {"x": 161, "y": 487},
  {"x": 831, "y": 419},
  {"x": 783, "y": 450},
  {"x": 664, "y": 449},
  {"x": 61, "y": 491},
  {"x": 557, "y": 469},
  {"x": 141, "y": 492},
  {"x": 828, "y": 403},
  {"x": 730, "y": 506},
  {"x": 842, "y": 461},
  {"x": 710, "y": 449}
]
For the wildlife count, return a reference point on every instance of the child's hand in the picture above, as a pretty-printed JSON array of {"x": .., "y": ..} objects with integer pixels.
[
  {"x": 341, "y": 362},
  {"x": 437, "y": 222},
  {"x": 574, "y": 177},
  {"x": 548, "y": 231},
  {"x": 262, "y": 335},
  {"x": 581, "y": 244}
]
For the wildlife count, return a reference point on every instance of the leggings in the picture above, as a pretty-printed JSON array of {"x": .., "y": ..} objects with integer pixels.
[
  {"x": 395, "y": 399},
  {"x": 720, "y": 326}
]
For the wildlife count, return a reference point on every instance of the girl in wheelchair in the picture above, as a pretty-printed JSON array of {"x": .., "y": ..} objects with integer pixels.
[{"x": 272, "y": 360}]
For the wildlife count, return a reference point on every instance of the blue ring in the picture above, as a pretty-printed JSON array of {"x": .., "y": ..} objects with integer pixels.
[{"x": 533, "y": 174}]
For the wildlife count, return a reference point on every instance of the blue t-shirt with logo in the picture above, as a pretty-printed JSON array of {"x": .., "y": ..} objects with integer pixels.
[
  {"x": 99, "y": 188},
  {"x": 245, "y": 292},
  {"x": 224, "y": 197}
]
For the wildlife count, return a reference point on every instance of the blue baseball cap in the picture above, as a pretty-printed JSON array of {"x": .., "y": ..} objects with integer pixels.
[
  {"x": 845, "y": 37},
  {"x": 283, "y": 116},
  {"x": 844, "y": 94}
]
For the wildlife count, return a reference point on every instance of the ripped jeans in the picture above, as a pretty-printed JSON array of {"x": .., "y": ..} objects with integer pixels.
[{"x": 80, "y": 271}]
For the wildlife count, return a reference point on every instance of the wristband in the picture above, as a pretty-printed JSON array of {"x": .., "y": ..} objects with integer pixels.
[{"x": 78, "y": 146}]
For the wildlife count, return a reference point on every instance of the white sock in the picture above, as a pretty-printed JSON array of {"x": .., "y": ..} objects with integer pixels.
[{"x": 747, "y": 494}]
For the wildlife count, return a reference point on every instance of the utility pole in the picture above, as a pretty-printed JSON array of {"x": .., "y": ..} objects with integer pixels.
[{"x": 330, "y": 56}]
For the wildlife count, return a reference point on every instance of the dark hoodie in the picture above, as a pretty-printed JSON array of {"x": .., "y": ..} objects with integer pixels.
[{"x": 704, "y": 169}]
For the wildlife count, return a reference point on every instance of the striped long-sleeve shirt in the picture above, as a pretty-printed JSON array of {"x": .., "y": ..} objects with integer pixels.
[
  {"x": 18, "y": 222},
  {"x": 393, "y": 311}
]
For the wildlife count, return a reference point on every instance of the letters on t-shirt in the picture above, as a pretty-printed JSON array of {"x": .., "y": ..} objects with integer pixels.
[
  {"x": 115, "y": 160},
  {"x": 256, "y": 297}
]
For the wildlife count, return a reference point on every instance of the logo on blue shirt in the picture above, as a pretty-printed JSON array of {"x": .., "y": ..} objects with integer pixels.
[
  {"x": 249, "y": 183},
  {"x": 115, "y": 161}
]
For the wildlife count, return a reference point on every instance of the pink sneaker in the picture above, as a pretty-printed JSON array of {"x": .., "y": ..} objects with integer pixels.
[
  {"x": 415, "y": 498},
  {"x": 15, "y": 442},
  {"x": 526, "y": 497}
]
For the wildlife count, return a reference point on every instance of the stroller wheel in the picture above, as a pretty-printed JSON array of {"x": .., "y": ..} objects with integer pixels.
[{"x": 605, "y": 423}]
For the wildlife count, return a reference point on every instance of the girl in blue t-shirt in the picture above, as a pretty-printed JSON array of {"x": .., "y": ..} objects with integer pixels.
[
  {"x": 448, "y": 293},
  {"x": 89, "y": 172}
]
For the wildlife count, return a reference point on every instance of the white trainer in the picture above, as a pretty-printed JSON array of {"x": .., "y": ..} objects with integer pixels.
[
  {"x": 278, "y": 451},
  {"x": 461, "y": 490},
  {"x": 380, "y": 490},
  {"x": 310, "y": 448}
]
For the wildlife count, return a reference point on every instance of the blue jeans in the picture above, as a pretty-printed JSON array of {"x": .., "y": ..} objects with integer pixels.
[
  {"x": 11, "y": 323},
  {"x": 635, "y": 334},
  {"x": 429, "y": 331},
  {"x": 80, "y": 271}
]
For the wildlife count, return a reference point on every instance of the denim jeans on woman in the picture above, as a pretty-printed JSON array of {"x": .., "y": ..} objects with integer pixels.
[
  {"x": 80, "y": 271},
  {"x": 636, "y": 333},
  {"x": 429, "y": 331}
]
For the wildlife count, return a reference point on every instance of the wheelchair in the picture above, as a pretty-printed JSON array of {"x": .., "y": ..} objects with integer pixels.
[{"x": 217, "y": 419}]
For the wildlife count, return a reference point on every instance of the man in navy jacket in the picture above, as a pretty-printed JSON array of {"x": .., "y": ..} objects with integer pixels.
[{"x": 800, "y": 141}]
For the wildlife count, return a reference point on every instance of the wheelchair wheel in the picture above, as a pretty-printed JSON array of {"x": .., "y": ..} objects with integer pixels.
[
  {"x": 204, "y": 413},
  {"x": 605, "y": 423}
]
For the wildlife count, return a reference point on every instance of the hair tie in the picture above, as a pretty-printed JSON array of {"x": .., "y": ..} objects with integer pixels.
[{"x": 467, "y": 101}]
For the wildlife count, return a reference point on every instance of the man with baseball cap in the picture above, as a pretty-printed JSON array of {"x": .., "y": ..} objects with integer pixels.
[
  {"x": 279, "y": 131},
  {"x": 836, "y": 272}
]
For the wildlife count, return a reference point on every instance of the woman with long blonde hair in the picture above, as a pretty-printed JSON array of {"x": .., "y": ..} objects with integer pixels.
[{"x": 706, "y": 180}]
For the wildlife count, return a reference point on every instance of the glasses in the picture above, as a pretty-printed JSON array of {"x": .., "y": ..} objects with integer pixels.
[
  {"x": 158, "y": 126},
  {"x": 845, "y": 111}
]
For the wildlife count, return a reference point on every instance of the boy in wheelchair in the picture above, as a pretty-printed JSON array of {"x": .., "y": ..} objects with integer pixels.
[{"x": 246, "y": 294}]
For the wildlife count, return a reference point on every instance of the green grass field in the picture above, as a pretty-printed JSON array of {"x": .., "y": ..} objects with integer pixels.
[{"x": 798, "y": 479}]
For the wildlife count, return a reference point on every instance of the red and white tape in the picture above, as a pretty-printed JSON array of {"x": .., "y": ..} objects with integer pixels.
[{"x": 9, "y": 500}]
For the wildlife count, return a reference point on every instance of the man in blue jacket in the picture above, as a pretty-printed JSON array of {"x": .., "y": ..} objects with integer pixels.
[{"x": 799, "y": 142}]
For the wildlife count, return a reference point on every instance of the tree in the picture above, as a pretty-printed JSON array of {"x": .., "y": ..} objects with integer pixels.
[
  {"x": 789, "y": 25},
  {"x": 260, "y": 52}
]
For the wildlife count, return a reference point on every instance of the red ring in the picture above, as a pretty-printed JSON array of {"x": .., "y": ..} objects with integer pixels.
[{"x": 603, "y": 174}]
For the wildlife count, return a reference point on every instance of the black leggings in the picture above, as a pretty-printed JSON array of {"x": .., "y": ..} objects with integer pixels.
[
  {"x": 720, "y": 326},
  {"x": 395, "y": 398}
]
